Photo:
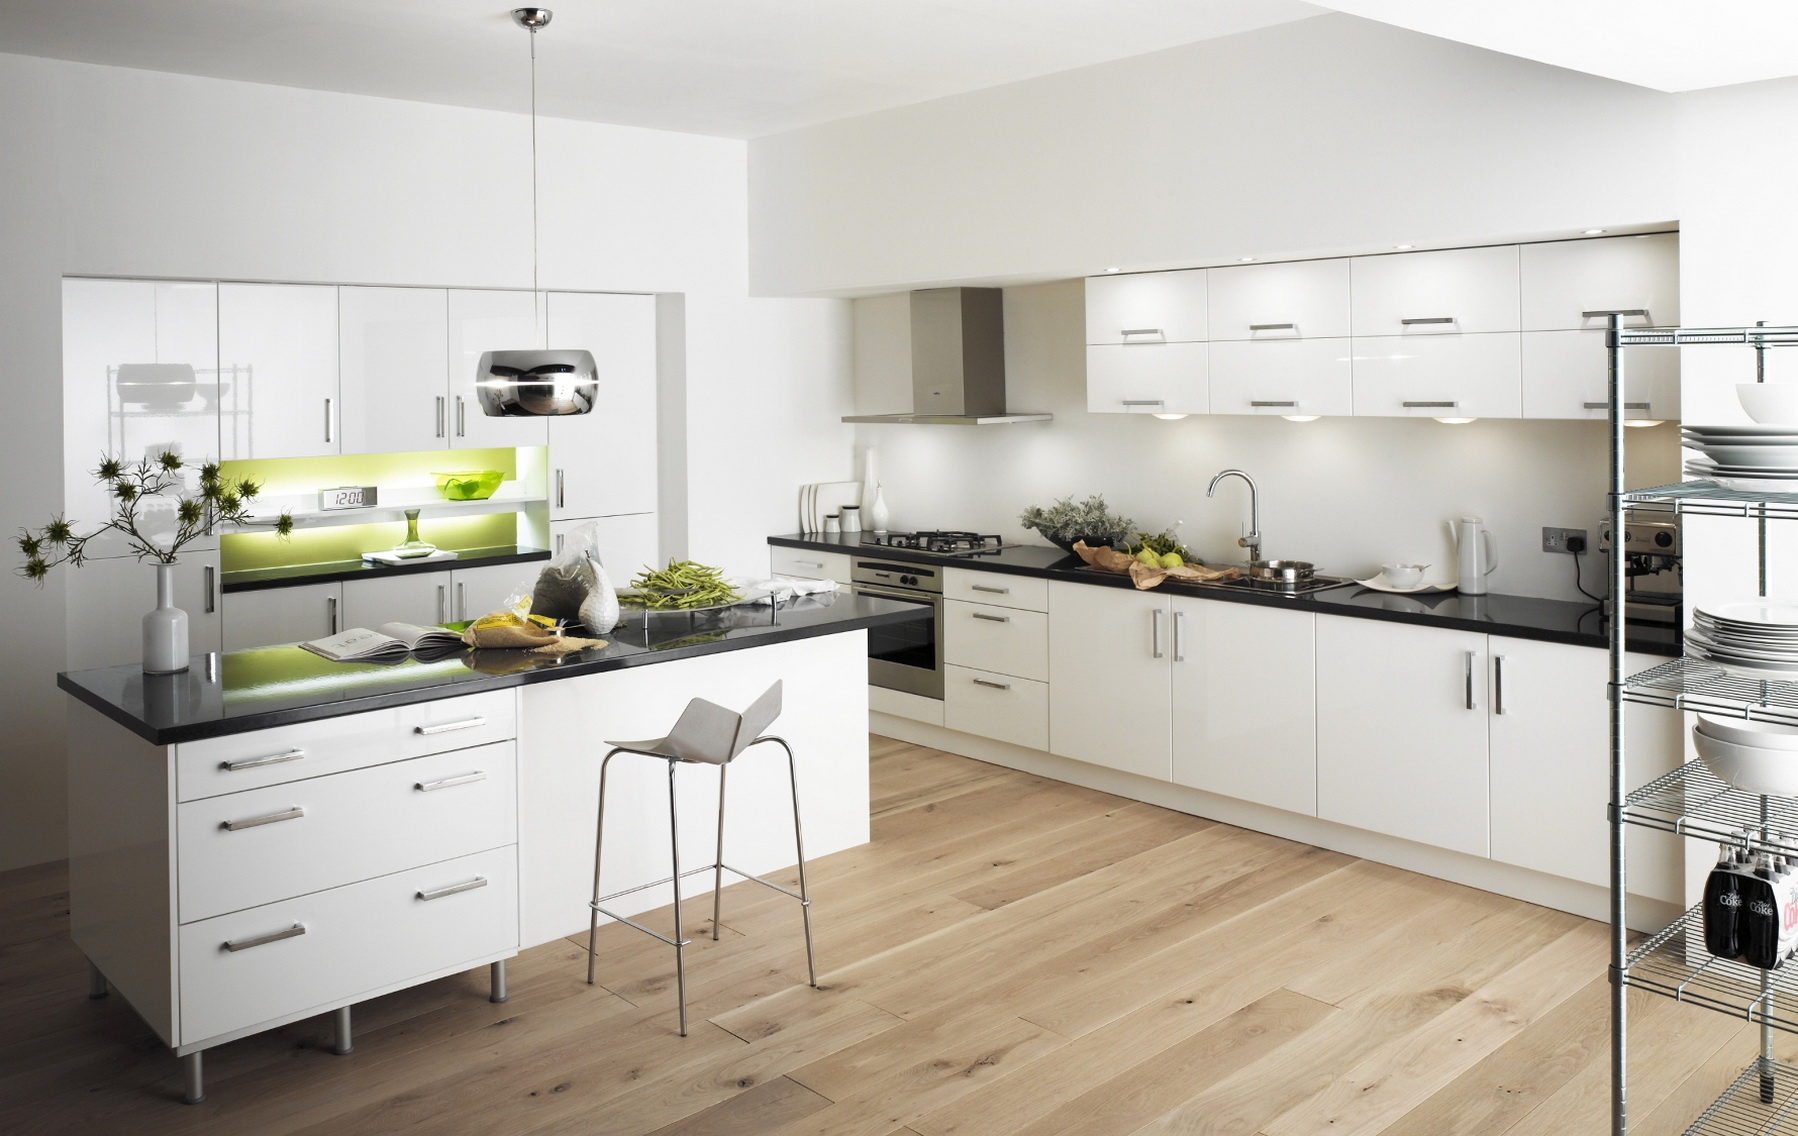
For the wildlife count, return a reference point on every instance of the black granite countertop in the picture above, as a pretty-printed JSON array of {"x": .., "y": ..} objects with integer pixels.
[
  {"x": 1521, "y": 617},
  {"x": 254, "y": 579},
  {"x": 276, "y": 686}
]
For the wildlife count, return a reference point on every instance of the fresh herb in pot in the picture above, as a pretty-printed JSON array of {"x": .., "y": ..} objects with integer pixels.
[{"x": 1068, "y": 521}]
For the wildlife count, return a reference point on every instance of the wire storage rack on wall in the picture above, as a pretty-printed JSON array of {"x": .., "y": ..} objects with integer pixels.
[{"x": 1691, "y": 800}]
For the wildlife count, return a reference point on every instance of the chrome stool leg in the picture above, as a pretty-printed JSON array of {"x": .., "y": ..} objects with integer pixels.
[
  {"x": 718, "y": 860},
  {"x": 805, "y": 901},
  {"x": 680, "y": 940},
  {"x": 599, "y": 839}
]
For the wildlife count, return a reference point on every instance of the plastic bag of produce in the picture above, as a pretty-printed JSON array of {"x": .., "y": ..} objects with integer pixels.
[{"x": 574, "y": 585}]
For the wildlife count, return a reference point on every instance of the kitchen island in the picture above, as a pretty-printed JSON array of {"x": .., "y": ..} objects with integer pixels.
[{"x": 270, "y": 836}]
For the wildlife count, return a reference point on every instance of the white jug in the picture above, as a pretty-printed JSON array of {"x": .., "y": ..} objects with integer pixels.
[{"x": 1475, "y": 553}]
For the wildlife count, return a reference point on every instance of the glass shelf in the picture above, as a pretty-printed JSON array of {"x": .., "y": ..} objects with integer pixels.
[
  {"x": 1706, "y": 688},
  {"x": 1674, "y": 964},
  {"x": 1693, "y": 801}
]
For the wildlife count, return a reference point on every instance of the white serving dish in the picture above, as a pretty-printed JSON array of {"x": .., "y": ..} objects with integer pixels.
[
  {"x": 1771, "y": 735},
  {"x": 1753, "y": 457},
  {"x": 1381, "y": 584},
  {"x": 1774, "y": 404},
  {"x": 1746, "y": 430},
  {"x": 1403, "y": 576},
  {"x": 1752, "y": 769}
]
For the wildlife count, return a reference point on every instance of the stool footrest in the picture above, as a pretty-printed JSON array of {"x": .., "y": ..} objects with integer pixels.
[
  {"x": 656, "y": 883},
  {"x": 765, "y": 883},
  {"x": 654, "y": 934}
]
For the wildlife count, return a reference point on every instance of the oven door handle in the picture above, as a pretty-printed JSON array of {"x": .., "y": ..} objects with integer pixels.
[{"x": 931, "y": 598}]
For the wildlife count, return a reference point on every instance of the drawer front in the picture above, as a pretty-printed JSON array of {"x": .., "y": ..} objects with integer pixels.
[
  {"x": 809, "y": 565},
  {"x": 311, "y": 749},
  {"x": 1449, "y": 376},
  {"x": 356, "y": 939},
  {"x": 996, "y": 588},
  {"x": 1146, "y": 378},
  {"x": 1003, "y": 639},
  {"x": 1307, "y": 298},
  {"x": 1147, "y": 307},
  {"x": 1431, "y": 293},
  {"x": 998, "y": 706},
  {"x": 349, "y": 827},
  {"x": 1565, "y": 280},
  {"x": 1566, "y": 374},
  {"x": 1292, "y": 376}
]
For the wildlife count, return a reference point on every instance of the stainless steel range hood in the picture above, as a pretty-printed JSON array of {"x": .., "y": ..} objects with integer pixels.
[{"x": 957, "y": 361}]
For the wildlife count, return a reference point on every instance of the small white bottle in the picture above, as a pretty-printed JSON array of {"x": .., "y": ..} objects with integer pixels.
[{"x": 877, "y": 511}]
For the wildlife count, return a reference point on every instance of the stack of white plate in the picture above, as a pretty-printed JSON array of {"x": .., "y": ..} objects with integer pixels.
[
  {"x": 1758, "y": 638},
  {"x": 1753, "y": 458}
]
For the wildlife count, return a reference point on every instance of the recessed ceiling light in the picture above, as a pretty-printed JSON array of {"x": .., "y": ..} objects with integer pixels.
[
  {"x": 1245, "y": 259},
  {"x": 1591, "y": 232},
  {"x": 1111, "y": 270},
  {"x": 1401, "y": 248}
]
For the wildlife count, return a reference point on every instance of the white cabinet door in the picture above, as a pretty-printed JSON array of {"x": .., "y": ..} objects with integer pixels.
[
  {"x": 1401, "y": 731},
  {"x": 394, "y": 345},
  {"x": 1422, "y": 293},
  {"x": 1282, "y": 376},
  {"x": 1306, "y": 298},
  {"x": 1109, "y": 702},
  {"x": 1447, "y": 376},
  {"x": 477, "y": 591},
  {"x": 1566, "y": 375},
  {"x": 1004, "y": 640},
  {"x": 268, "y": 616},
  {"x": 107, "y": 600},
  {"x": 604, "y": 463},
  {"x": 1146, "y": 307},
  {"x": 421, "y": 597},
  {"x": 1574, "y": 284},
  {"x": 280, "y": 343},
  {"x": 995, "y": 705},
  {"x": 1147, "y": 378},
  {"x": 482, "y": 321},
  {"x": 1245, "y": 717},
  {"x": 628, "y": 543}
]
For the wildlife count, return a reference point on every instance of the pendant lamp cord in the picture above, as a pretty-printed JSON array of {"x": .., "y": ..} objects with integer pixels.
[{"x": 536, "y": 296}]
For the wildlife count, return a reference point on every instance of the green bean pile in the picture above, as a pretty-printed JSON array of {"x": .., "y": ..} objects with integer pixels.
[{"x": 709, "y": 587}]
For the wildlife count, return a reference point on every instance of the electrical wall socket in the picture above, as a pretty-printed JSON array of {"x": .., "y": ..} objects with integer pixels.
[{"x": 1555, "y": 540}]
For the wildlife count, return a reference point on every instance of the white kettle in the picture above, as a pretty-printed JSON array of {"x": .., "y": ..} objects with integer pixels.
[{"x": 1475, "y": 554}]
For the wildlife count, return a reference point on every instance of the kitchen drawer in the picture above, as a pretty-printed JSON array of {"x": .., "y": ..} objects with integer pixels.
[
  {"x": 1003, "y": 639},
  {"x": 1282, "y": 376},
  {"x": 808, "y": 564},
  {"x": 1564, "y": 280},
  {"x": 1147, "y": 307},
  {"x": 1566, "y": 372},
  {"x": 356, "y": 940},
  {"x": 1146, "y": 378},
  {"x": 1028, "y": 592},
  {"x": 333, "y": 745},
  {"x": 1001, "y": 706},
  {"x": 367, "y": 822},
  {"x": 1303, "y": 299},
  {"x": 1448, "y": 376},
  {"x": 1472, "y": 289}
]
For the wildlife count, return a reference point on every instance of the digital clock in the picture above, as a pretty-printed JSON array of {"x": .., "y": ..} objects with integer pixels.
[{"x": 347, "y": 497}]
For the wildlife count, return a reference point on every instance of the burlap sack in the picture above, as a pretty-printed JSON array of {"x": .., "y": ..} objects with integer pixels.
[{"x": 1145, "y": 577}]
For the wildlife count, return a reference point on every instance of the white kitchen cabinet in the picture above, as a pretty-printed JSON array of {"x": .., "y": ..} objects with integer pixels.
[
  {"x": 604, "y": 463},
  {"x": 1147, "y": 307},
  {"x": 806, "y": 564},
  {"x": 423, "y": 598},
  {"x": 267, "y": 616},
  {"x": 996, "y": 705},
  {"x": 1566, "y": 375},
  {"x": 1427, "y": 293},
  {"x": 1147, "y": 378},
  {"x": 1001, "y": 589},
  {"x": 1401, "y": 731},
  {"x": 481, "y": 321},
  {"x": 107, "y": 600},
  {"x": 477, "y": 591},
  {"x": 393, "y": 345},
  {"x": 626, "y": 544},
  {"x": 1306, "y": 299},
  {"x": 279, "y": 341},
  {"x": 1282, "y": 376},
  {"x": 1568, "y": 285},
  {"x": 1003, "y": 640},
  {"x": 1439, "y": 376},
  {"x": 1109, "y": 699},
  {"x": 1244, "y": 699}
]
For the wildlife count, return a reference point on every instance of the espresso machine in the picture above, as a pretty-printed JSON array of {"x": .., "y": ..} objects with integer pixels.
[{"x": 1651, "y": 552}]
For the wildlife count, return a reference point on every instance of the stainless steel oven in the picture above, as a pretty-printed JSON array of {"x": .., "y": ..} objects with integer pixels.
[{"x": 904, "y": 656}]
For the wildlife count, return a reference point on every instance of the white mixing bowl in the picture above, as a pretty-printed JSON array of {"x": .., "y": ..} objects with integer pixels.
[
  {"x": 1771, "y": 404},
  {"x": 1752, "y": 769},
  {"x": 1768, "y": 735}
]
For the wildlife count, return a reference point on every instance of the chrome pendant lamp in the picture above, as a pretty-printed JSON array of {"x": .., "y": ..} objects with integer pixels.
[{"x": 535, "y": 383}]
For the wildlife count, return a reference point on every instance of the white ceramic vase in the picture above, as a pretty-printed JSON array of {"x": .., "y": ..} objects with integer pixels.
[
  {"x": 165, "y": 628},
  {"x": 877, "y": 512}
]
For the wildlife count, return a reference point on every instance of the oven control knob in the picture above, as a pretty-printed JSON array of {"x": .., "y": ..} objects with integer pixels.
[
  {"x": 908, "y": 579},
  {"x": 1663, "y": 539}
]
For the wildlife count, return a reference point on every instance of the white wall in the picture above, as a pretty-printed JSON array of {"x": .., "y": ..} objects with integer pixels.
[
  {"x": 1328, "y": 135},
  {"x": 120, "y": 172}
]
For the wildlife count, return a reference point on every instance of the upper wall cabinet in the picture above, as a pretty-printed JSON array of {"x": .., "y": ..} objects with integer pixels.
[
  {"x": 1147, "y": 378},
  {"x": 482, "y": 321},
  {"x": 1421, "y": 293},
  {"x": 1147, "y": 307},
  {"x": 395, "y": 369},
  {"x": 1306, "y": 299},
  {"x": 1439, "y": 376},
  {"x": 1566, "y": 375},
  {"x": 279, "y": 344},
  {"x": 604, "y": 463},
  {"x": 1282, "y": 376},
  {"x": 1568, "y": 285}
]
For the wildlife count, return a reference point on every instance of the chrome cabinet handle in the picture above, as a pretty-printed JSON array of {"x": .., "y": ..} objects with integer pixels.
[
  {"x": 1626, "y": 406},
  {"x": 1426, "y": 319},
  {"x": 561, "y": 493},
  {"x": 1498, "y": 684},
  {"x": 1430, "y": 405},
  {"x": 1643, "y": 312},
  {"x": 442, "y": 417},
  {"x": 294, "y": 813},
  {"x": 1144, "y": 401},
  {"x": 1273, "y": 327},
  {"x": 211, "y": 586},
  {"x": 477, "y": 882},
  {"x": 327, "y": 420},
  {"x": 1129, "y": 331},
  {"x": 263, "y": 940},
  {"x": 448, "y": 782},
  {"x": 981, "y": 588},
  {"x": 991, "y": 618},
  {"x": 461, "y": 417},
  {"x": 1155, "y": 630},
  {"x": 1253, "y": 402},
  {"x": 1179, "y": 651},
  {"x": 443, "y": 597},
  {"x": 994, "y": 685},
  {"x": 559, "y": 538},
  {"x": 267, "y": 759},
  {"x": 331, "y": 613},
  {"x": 461, "y": 600},
  {"x": 1470, "y": 702},
  {"x": 451, "y": 727}
]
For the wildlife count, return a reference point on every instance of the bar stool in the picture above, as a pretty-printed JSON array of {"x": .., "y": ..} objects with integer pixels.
[{"x": 706, "y": 734}]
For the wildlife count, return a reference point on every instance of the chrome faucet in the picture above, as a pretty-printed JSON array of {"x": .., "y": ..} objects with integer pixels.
[{"x": 1252, "y": 542}]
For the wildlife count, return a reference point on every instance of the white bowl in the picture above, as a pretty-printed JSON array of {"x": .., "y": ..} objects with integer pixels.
[
  {"x": 1404, "y": 575},
  {"x": 1767, "y": 735},
  {"x": 1771, "y": 404},
  {"x": 1752, "y": 769}
]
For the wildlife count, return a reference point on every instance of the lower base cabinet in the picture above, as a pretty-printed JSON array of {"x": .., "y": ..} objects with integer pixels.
[
  {"x": 282, "y": 615},
  {"x": 1109, "y": 697},
  {"x": 1000, "y": 706}
]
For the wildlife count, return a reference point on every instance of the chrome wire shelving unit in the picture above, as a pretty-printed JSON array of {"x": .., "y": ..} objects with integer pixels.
[{"x": 1691, "y": 801}]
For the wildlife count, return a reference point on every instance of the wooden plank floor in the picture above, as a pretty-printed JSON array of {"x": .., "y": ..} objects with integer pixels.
[{"x": 1009, "y": 955}]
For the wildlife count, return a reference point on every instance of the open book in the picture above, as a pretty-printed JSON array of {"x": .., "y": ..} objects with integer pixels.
[{"x": 390, "y": 644}]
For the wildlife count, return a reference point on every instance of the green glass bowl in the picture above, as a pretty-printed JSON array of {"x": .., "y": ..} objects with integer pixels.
[{"x": 468, "y": 484}]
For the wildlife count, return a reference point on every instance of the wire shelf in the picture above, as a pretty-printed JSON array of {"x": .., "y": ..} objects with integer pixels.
[
  {"x": 1696, "y": 336},
  {"x": 1742, "y": 1111},
  {"x": 1693, "y": 801},
  {"x": 1675, "y": 964},
  {"x": 1693, "y": 684},
  {"x": 1710, "y": 499}
]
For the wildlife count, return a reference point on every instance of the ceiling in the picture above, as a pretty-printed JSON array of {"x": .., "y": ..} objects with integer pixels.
[{"x": 736, "y": 68}]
